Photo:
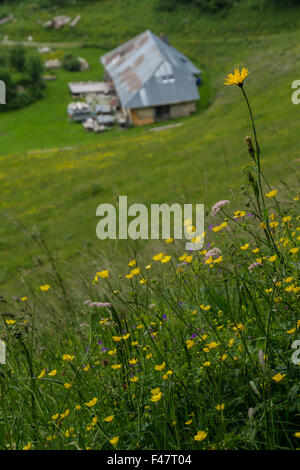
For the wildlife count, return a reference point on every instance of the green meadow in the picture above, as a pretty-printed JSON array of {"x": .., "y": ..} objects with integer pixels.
[
  {"x": 153, "y": 347},
  {"x": 199, "y": 161}
]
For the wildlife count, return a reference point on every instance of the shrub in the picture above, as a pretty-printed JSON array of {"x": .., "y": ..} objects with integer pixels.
[
  {"x": 18, "y": 57},
  {"x": 71, "y": 63},
  {"x": 4, "y": 59},
  {"x": 34, "y": 68}
]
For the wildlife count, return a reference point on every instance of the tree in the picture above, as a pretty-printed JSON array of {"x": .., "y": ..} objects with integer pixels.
[
  {"x": 18, "y": 57},
  {"x": 34, "y": 68}
]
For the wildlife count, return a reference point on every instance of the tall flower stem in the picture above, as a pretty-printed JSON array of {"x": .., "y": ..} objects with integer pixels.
[
  {"x": 259, "y": 173},
  {"x": 257, "y": 147}
]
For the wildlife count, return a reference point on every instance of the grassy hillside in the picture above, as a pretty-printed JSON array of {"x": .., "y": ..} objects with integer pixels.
[
  {"x": 57, "y": 191},
  {"x": 144, "y": 345}
]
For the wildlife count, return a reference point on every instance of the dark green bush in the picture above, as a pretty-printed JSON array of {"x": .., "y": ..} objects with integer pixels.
[
  {"x": 22, "y": 89},
  {"x": 4, "y": 60},
  {"x": 18, "y": 57},
  {"x": 34, "y": 68},
  {"x": 71, "y": 63}
]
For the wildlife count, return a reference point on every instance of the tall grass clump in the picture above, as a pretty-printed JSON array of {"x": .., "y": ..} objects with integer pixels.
[{"x": 186, "y": 350}]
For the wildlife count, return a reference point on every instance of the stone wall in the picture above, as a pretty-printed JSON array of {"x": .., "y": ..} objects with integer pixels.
[{"x": 143, "y": 116}]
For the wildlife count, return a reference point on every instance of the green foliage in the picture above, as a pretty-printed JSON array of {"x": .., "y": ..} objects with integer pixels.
[
  {"x": 34, "y": 68},
  {"x": 18, "y": 57},
  {"x": 71, "y": 63},
  {"x": 24, "y": 88}
]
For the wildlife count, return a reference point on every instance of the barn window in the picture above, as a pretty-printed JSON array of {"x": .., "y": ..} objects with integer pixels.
[
  {"x": 164, "y": 73},
  {"x": 168, "y": 78}
]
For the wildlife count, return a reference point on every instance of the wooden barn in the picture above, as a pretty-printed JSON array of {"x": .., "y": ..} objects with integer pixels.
[{"x": 153, "y": 80}]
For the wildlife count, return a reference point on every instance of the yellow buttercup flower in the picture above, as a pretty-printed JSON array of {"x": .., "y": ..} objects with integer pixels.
[
  {"x": 109, "y": 419},
  {"x": 92, "y": 402},
  {"x": 220, "y": 407},
  {"x": 114, "y": 441},
  {"x": 117, "y": 338},
  {"x": 67, "y": 386},
  {"x": 158, "y": 257},
  {"x": 245, "y": 247},
  {"x": 45, "y": 287},
  {"x": 290, "y": 332},
  {"x": 52, "y": 373},
  {"x": 165, "y": 259},
  {"x": 169, "y": 240},
  {"x": 65, "y": 414},
  {"x": 42, "y": 374},
  {"x": 205, "y": 307},
  {"x": 278, "y": 377},
  {"x": 103, "y": 274},
  {"x": 10, "y": 322},
  {"x": 160, "y": 367},
  {"x": 239, "y": 214},
  {"x": 156, "y": 397},
  {"x": 132, "y": 361},
  {"x": 237, "y": 78},
  {"x": 67, "y": 357},
  {"x": 28, "y": 446},
  {"x": 132, "y": 263},
  {"x": 135, "y": 271},
  {"x": 200, "y": 436},
  {"x": 272, "y": 193}
]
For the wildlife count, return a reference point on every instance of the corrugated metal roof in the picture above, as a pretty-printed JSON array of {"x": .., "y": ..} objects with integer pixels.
[{"x": 148, "y": 72}]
